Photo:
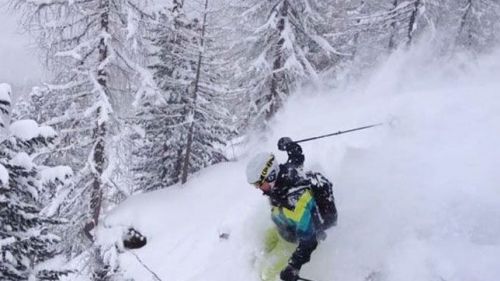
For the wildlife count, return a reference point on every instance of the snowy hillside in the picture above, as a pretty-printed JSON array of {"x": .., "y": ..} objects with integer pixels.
[{"x": 418, "y": 199}]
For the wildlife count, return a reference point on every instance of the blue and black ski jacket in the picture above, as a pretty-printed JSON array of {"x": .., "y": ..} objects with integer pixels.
[{"x": 294, "y": 209}]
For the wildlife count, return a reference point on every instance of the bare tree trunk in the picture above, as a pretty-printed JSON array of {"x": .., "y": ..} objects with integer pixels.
[
  {"x": 411, "y": 25},
  {"x": 356, "y": 36},
  {"x": 278, "y": 78},
  {"x": 392, "y": 43},
  {"x": 178, "y": 166},
  {"x": 463, "y": 22},
  {"x": 99, "y": 157},
  {"x": 189, "y": 143}
]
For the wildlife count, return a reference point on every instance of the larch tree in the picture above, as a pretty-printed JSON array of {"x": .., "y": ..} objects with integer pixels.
[
  {"x": 186, "y": 123},
  {"x": 159, "y": 152},
  {"x": 206, "y": 117},
  {"x": 478, "y": 24},
  {"x": 398, "y": 19},
  {"x": 94, "y": 50},
  {"x": 283, "y": 47}
]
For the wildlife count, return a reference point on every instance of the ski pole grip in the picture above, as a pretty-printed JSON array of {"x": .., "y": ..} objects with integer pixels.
[{"x": 283, "y": 143}]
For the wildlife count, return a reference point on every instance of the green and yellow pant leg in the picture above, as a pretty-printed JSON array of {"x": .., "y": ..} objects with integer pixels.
[{"x": 278, "y": 252}]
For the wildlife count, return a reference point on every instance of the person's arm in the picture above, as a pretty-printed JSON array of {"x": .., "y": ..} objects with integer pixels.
[
  {"x": 294, "y": 151},
  {"x": 301, "y": 256},
  {"x": 303, "y": 252}
]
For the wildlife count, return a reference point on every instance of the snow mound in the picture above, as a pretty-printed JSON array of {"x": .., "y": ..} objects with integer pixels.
[
  {"x": 184, "y": 226},
  {"x": 418, "y": 199}
]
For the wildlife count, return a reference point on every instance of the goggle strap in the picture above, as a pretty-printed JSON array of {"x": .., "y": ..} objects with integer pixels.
[{"x": 264, "y": 172}]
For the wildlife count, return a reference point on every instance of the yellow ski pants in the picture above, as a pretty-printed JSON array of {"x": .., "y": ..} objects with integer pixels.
[{"x": 277, "y": 253}]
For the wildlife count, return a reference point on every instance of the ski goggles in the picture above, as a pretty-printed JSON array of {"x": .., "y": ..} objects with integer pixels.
[{"x": 266, "y": 179}]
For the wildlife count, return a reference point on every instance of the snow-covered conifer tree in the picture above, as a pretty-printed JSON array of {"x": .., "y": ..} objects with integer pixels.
[
  {"x": 284, "y": 46},
  {"x": 26, "y": 233},
  {"x": 184, "y": 124},
  {"x": 478, "y": 24},
  {"x": 397, "y": 21}
]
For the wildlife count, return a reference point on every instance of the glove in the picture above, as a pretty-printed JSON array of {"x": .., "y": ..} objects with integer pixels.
[
  {"x": 283, "y": 143},
  {"x": 289, "y": 274}
]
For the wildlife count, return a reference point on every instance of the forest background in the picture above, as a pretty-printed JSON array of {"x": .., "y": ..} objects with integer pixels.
[{"x": 139, "y": 95}]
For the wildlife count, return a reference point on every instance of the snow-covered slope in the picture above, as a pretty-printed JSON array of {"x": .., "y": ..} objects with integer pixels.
[{"x": 418, "y": 199}]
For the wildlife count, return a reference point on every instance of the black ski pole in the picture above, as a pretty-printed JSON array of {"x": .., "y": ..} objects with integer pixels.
[
  {"x": 304, "y": 279},
  {"x": 145, "y": 266},
  {"x": 340, "y": 132}
]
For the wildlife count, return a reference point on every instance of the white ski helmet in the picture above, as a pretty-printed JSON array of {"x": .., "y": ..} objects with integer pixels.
[{"x": 260, "y": 167}]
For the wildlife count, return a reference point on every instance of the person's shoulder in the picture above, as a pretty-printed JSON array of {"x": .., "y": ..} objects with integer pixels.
[
  {"x": 285, "y": 173},
  {"x": 282, "y": 173}
]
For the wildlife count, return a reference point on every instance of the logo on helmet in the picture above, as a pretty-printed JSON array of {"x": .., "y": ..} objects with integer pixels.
[{"x": 265, "y": 171}]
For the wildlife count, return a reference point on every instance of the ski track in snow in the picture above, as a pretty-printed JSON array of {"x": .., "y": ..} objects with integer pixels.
[{"x": 418, "y": 200}]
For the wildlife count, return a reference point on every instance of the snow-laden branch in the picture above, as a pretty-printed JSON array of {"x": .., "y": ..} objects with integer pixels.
[
  {"x": 47, "y": 2},
  {"x": 29, "y": 129},
  {"x": 4, "y": 178},
  {"x": 404, "y": 7}
]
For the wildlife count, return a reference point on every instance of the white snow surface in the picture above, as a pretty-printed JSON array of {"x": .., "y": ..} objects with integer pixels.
[
  {"x": 418, "y": 199},
  {"x": 29, "y": 129}
]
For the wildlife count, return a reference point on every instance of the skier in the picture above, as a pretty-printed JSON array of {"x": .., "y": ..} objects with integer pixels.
[{"x": 294, "y": 208}]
